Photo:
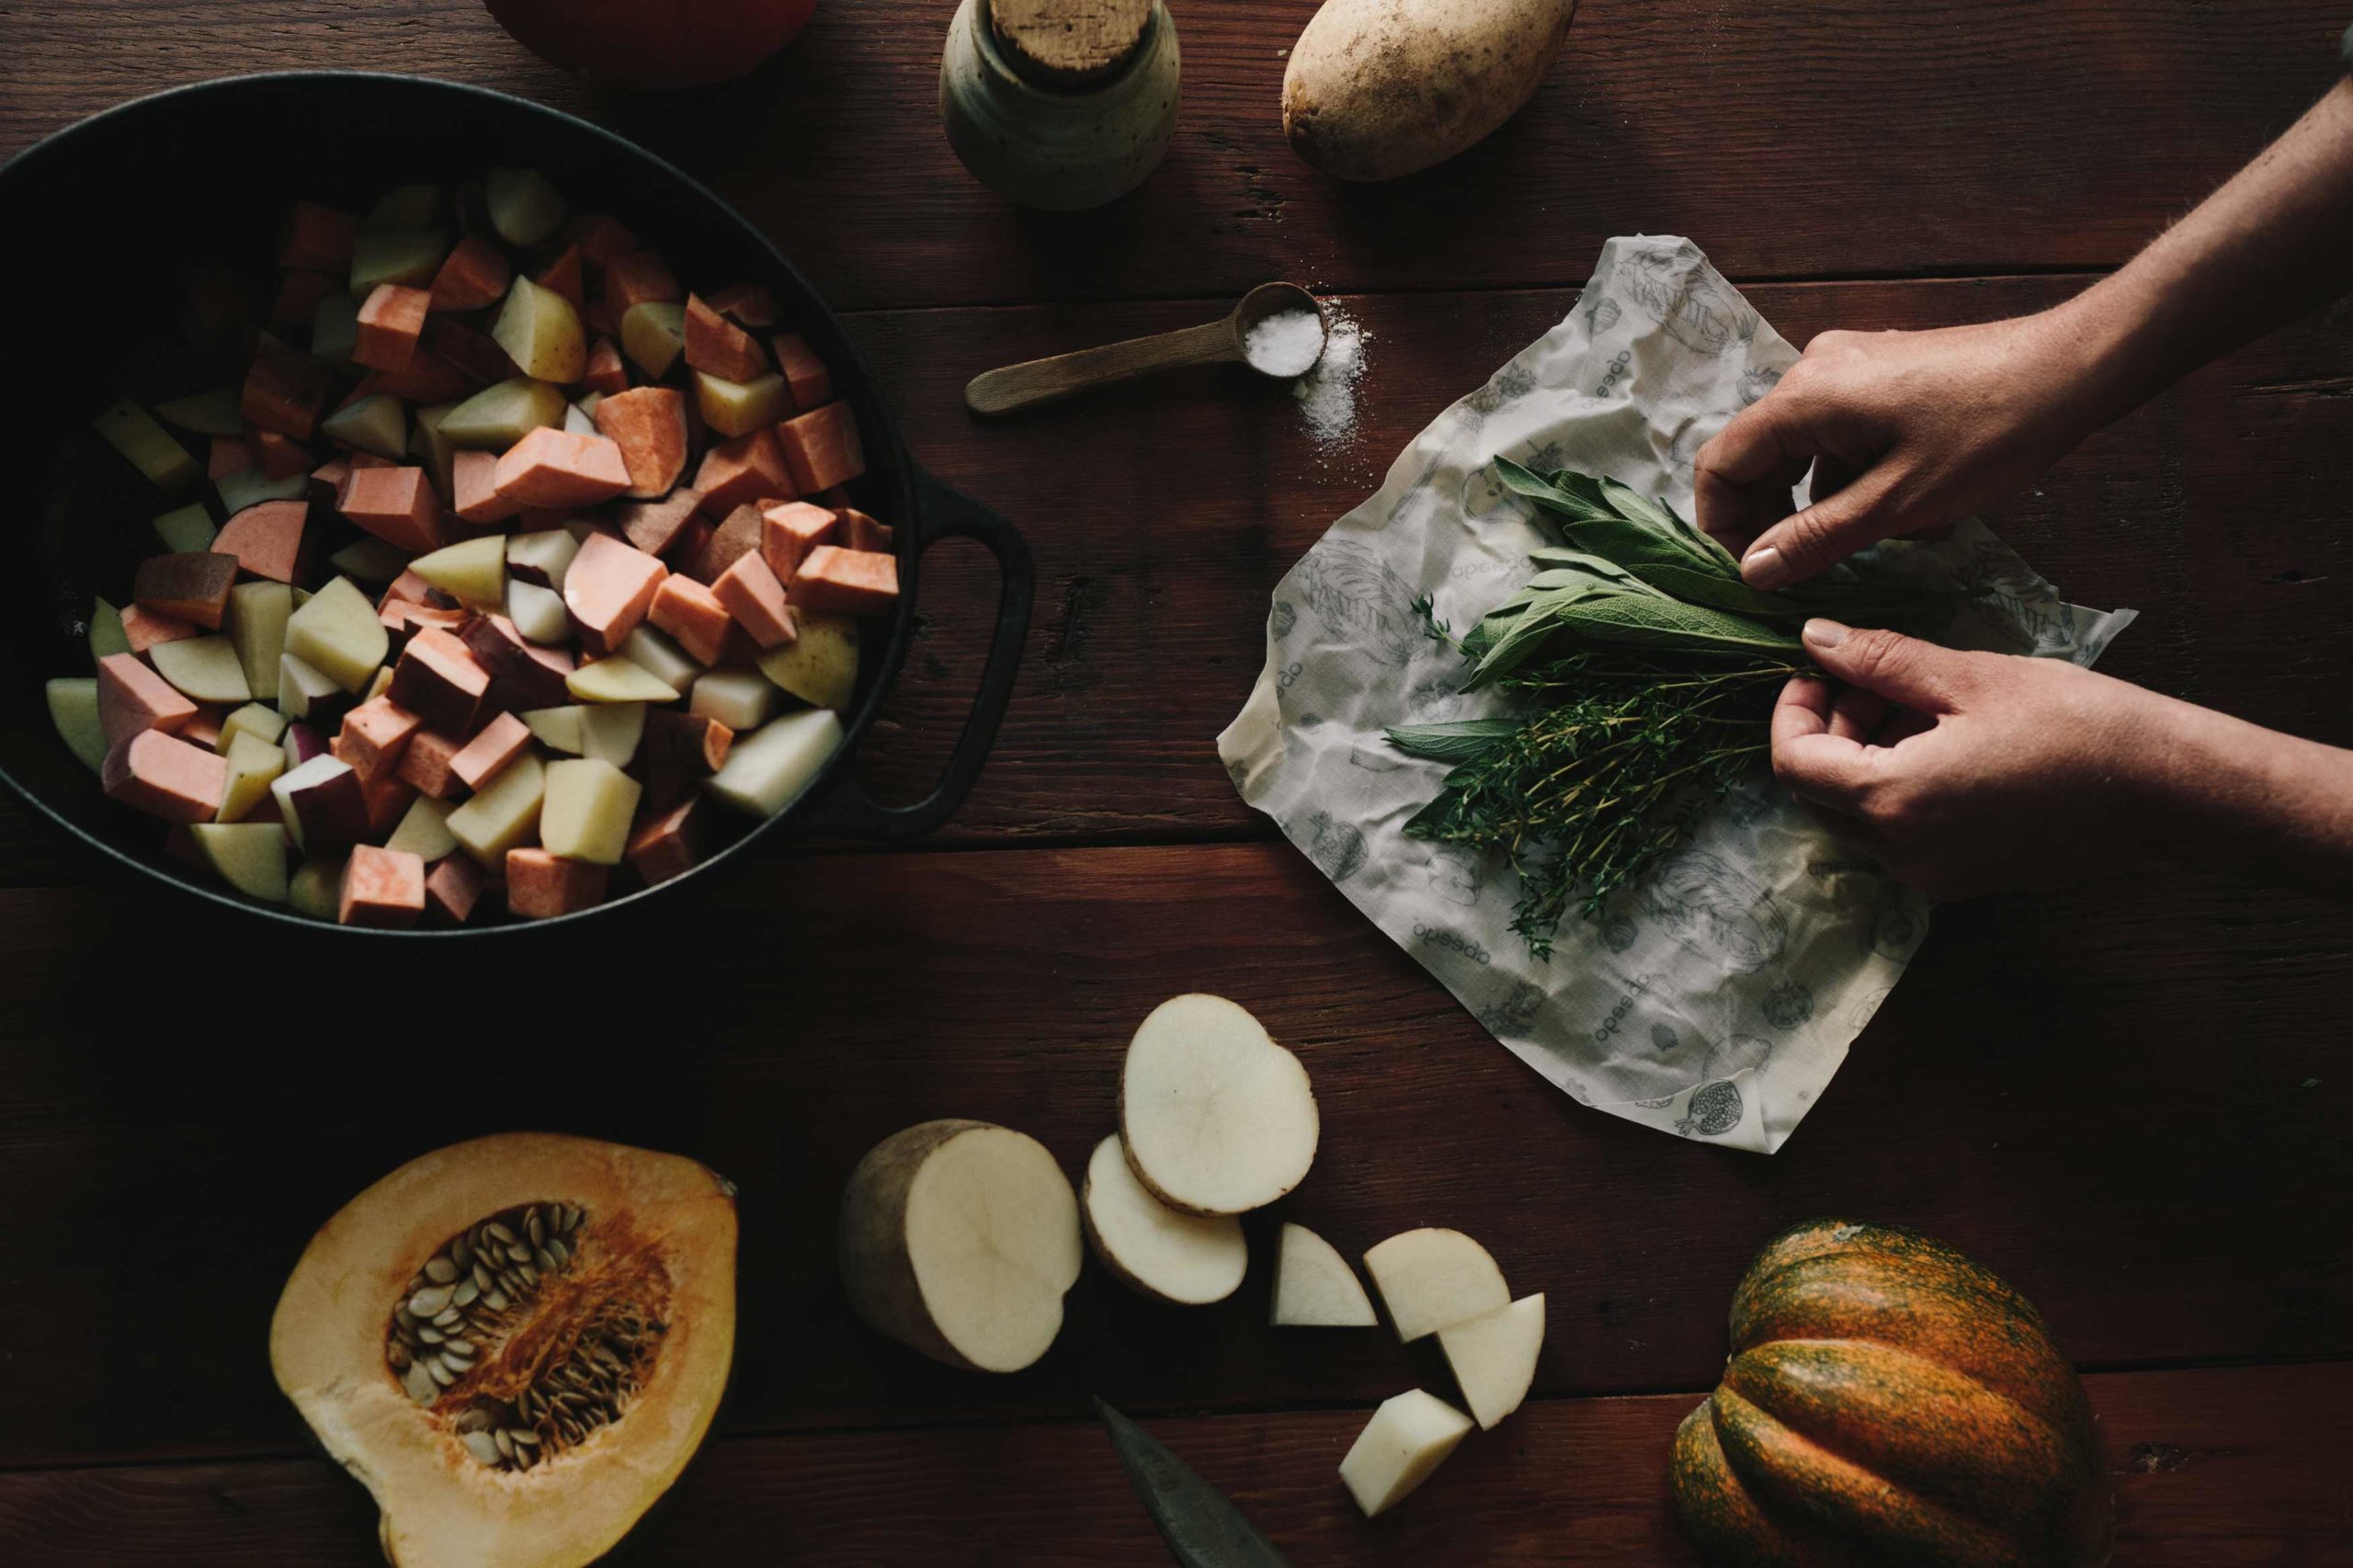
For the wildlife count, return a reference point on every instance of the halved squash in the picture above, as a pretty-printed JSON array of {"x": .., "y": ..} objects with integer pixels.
[{"x": 516, "y": 1343}]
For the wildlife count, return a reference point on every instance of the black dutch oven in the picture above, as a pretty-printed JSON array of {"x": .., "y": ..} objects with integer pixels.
[{"x": 107, "y": 218}]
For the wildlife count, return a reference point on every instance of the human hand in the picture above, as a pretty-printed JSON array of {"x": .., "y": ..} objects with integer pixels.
[
  {"x": 1906, "y": 431},
  {"x": 1964, "y": 772}
]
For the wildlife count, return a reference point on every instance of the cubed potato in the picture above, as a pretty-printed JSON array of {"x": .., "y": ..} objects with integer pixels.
[
  {"x": 611, "y": 732},
  {"x": 541, "y": 332},
  {"x": 369, "y": 560},
  {"x": 185, "y": 529},
  {"x": 204, "y": 669},
  {"x": 255, "y": 764},
  {"x": 655, "y": 654},
  {"x": 654, "y": 336},
  {"x": 768, "y": 770},
  {"x": 241, "y": 492},
  {"x": 407, "y": 256},
  {"x": 406, "y": 207},
  {"x": 504, "y": 814},
  {"x": 502, "y": 414},
  {"x": 738, "y": 408},
  {"x": 376, "y": 423},
  {"x": 336, "y": 634},
  {"x": 424, "y": 829},
  {"x": 542, "y": 556},
  {"x": 74, "y": 709},
  {"x": 586, "y": 812},
  {"x": 524, "y": 208},
  {"x": 106, "y": 635},
  {"x": 538, "y": 613},
  {"x": 819, "y": 665},
  {"x": 266, "y": 540},
  {"x": 559, "y": 729},
  {"x": 741, "y": 700},
  {"x": 316, "y": 888},
  {"x": 617, "y": 679},
  {"x": 334, "y": 328},
  {"x": 249, "y": 857},
  {"x": 257, "y": 616},
  {"x": 324, "y": 809},
  {"x": 472, "y": 571},
  {"x": 434, "y": 451},
  {"x": 133, "y": 431},
  {"x": 304, "y": 692},
  {"x": 252, "y": 719}
]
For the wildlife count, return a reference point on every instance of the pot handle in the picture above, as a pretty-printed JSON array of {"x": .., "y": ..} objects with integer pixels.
[{"x": 943, "y": 513}]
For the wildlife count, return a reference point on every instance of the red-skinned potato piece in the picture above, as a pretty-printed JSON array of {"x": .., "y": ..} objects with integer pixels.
[
  {"x": 607, "y": 588},
  {"x": 735, "y": 537},
  {"x": 694, "y": 742},
  {"x": 649, "y": 426},
  {"x": 382, "y": 888},
  {"x": 283, "y": 390},
  {"x": 755, "y": 599},
  {"x": 693, "y": 616},
  {"x": 133, "y": 698},
  {"x": 606, "y": 373},
  {"x": 540, "y": 886},
  {"x": 439, "y": 679},
  {"x": 654, "y": 525},
  {"x": 550, "y": 467},
  {"x": 265, "y": 539},
  {"x": 820, "y": 448},
  {"x": 664, "y": 846},
  {"x": 473, "y": 489},
  {"x": 747, "y": 304},
  {"x": 467, "y": 349},
  {"x": 453, "y": 887},
  {"x": 600, "y": 237},
  {"x": 143, "y": 628},
  {"x": 523, "y": 675},
  {"x": 395, "y": 504},
  {"x": 749, "y": 468},
  {"x": 846, "y": 582},
  {"x": 485, "y": 756},
  {"x": 805, "y": 375},
  {"x": 637, "y": 277},
  {"x": 165, "y": 777},
  {"x": 391, "y": 319},
  {"x": 473, "y": 276},
  {"x": 190, "y": 585},
  {"x": 316, "y": 237},
  {"x": 789, "y": 532},
  {"x": 426, "y": 378},
  {"x": 718, "y": 345}
]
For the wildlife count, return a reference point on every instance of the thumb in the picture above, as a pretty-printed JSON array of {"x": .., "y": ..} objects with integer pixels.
[
  {"x": 1920, "y": 676},
  {"x": 1823, "y": 534}
]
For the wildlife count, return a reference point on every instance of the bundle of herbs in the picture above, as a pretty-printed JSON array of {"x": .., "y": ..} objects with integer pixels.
[{"x": 1647, "y": 671}]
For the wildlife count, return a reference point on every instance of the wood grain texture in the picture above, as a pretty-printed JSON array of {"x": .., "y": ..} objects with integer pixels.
[
  {"x": 2112, "y": 1144},
  {"x": 2239, "y": 1465},
  {"x": 1854, "y": 138}
]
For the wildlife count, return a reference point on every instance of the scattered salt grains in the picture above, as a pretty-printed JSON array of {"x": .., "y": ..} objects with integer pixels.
[{"x": 1327, "y": 392}]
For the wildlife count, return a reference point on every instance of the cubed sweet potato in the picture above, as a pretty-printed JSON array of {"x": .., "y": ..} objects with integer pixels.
[
  {"x": 859, "y": 531},
  {"x": 316, "y": 237},
  {"x": 718, "y": 345},
  {"x": 750, "y": 467},
  {"x": 561, "y": 468},
  {"x": 790, "y": 531},
  {"x": 425, "y": 766},
  {"x": 283, "y": 390},
  {"x": 440, "y": 679},
  {"x": 143, "y": 628},
  {"x": 755, "y": 599},
  {"x": 453, "y": 887},
  {"x": 637, "y": 277},
  {"x": 746, "y": 304},
  {"x": 654, "y": 525},
  {"x": 228, "y": 455},
  {"x": 692, "y": 616},
  {"x": 523, "y": 675},
  {"x": 474, "y": 276},
  {"x": 165, "y": 777},
  {"x": 607, "y": 589},
  {"x": 382, "y": 888},
  {"x": 600, "y": 237},
  {"x": 391, "y": 321},
  {"x": 473, "y": 352},
  {"x": 849, "y": 581},
  {"x": 805, "y": 375},
  {"x": 373, "y": 736},
  {"x": 133, "y": 697},
  {"x": 282, "y": 457},
  {"x": 820, "y": 448},
  {"x": 473, "y": 489},
  {"x": 606, "y": 373},
  {"x": 564, "y": 276},
  {"x": 649, "y": 426},
  {"x": 664, "y": 846},
  {"x": 299, "y": 289},
  {"x": 188, "y": 585},
  {"x": 265, "y": 539},
  {"x": 485, "y": 756},
  {"x": 540, "y": 886},
  {"x": 396, "y": 504},
  {"x": 737, "y": 535}
]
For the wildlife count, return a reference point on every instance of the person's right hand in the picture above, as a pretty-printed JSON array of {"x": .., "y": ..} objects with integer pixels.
[{"x": 1906, "y": 431}]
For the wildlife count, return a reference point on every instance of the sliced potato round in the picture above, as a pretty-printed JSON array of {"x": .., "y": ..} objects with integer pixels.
[
  {"x": 1216, "y": 1118},
  {"x": 1190, "y": 1260}
]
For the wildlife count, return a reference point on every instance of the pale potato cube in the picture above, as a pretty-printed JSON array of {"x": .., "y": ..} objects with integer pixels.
[
  {"x": 429, "y": 446},
  {"x": 407, "y": 256},
  {"x": 547, "y": 551},
  {"x": 74, "y": 709},
  {"x": 504, "y": 814},
  {"x": 423, "y": 829},
  {"x": 610, "y": 731},
  {"x": 1408, "y": 1437},
  {"x": 106, "y": 635},
  {"x": 737, "y": 698},
  {"x": 249, "y": 857},
  {"x": 252, "y": 719},
  {"x": 250, "y": 487},
  {"x": 205, "y": 669},
  {"x": 654, "y": 335},
  {"x": 257, "y": 616},
  {"x": 369, "y": 560},
  {"x": 187, "y": 530},
  {"x": 300, "y": 685},
  {"x": 617, "y": 680},
  {"x": 559, "y": 729},
  {"x": 335, "y": 333},
  {"x": 255, "y": 764},
  {"x": 316, "y": 888},
  {"x": 819, "y": 665},
  {"x": 1494, "y": 1357},
  {"x": 1432, "y": 1279},
  {"x": 541, "y": 332},
  {"x": 502, "y": 414},
  {"x": 336, "y": 634},
  {"x": 212, "y": 412},
  {"x": 472, "y": 571},
  {"x": 768, "y": 770},
  {"x": 738, "y": 408},
  {"x": 376, "y": 423},
  {"x": 524, "y": 208},
  {"x": 133, "y": 431},
  {"x": 587, "y": 810},
  {"x": 538, "y": 613},
  {"x": 654, "y": 652}
]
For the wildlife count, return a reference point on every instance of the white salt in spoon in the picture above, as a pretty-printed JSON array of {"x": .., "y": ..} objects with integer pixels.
[{"x": 1278, "y": 330}]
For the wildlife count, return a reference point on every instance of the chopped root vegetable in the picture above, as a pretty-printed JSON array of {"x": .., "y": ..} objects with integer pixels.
[
  {"x": 1494, "y": 1357},
  {"x": 1190, "y": 1260},
  {"x": 1315, "y": 1286},
  {"x": 1408, "y": 1437},
  {"x": 766, "y": 770},
  {"x": 1434, "y": 1278},
  {"x": 959, "y": 1240},
  {"x": 1217, "y": 1118}
]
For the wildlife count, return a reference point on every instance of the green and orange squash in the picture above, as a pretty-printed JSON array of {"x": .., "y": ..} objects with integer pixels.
[{"x": 1890, "y": 1403}]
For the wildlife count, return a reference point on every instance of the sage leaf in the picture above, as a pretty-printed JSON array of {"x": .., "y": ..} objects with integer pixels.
[
  {"x": 1459, "y": 740},
  {"x": 1648, "y": 622},
  {"x": 1201, "y": 1527}
]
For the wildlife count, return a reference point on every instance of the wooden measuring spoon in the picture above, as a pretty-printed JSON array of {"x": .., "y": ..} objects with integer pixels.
[{"x": 1043, "y": 381}]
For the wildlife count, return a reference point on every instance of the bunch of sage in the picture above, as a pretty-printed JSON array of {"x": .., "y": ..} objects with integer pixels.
[{"x": 1645, "y": 670}]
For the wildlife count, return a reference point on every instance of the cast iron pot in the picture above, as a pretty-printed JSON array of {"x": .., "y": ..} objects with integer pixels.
[{"x": 109, "y": 215}]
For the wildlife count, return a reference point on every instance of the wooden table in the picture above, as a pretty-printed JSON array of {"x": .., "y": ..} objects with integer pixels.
[{"x": 2130, "y": 1098}]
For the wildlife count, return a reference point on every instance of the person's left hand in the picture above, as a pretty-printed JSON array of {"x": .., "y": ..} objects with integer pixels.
[{"x": 1964, "y": 772}]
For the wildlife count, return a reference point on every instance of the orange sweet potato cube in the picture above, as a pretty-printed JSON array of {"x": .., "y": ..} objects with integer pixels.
[
  {"x": 391, "y": 319},
  {"x": 265, "y": 539},
  {"x": 133, "y": 698},
  {"x": 453, "y": 887},
  {"x": 472, "y": 277},
  {"x": 653, "y": 525},
  {"x": 608, "y": 587},
  {"x": 563, "y": 275},
  {"x": 143, "y": 628},
  {"x": 600, "y": 238},
  {"x": 189, "y": 585},
  {"x": 299, "y": 289},
  {"x": 395, "y": 504},
  {"x": 561, "y": 468},
  {"x": 637, "y": 277},
  {"x": 382, "y": 887},
  {"x": 485, "y": 756},
  {"x": 425, "y": 764},
  {"x": 317, "y": 237},
  {"x": 473, "y": 489},
  {"x": 606, "y": 373},
  {"x": 373, "y": 736},
  {"x": 693, "y": 616},
  {"x": 283, "y": 390},
  {"x": 718, "y": 345},
  {"x": 664, "y": 846},
  {"x": 439, "y": 679},
  {"x": 540, "y": 886},
  {"x": 805, "y": 375},
  {"x": 426, "y": 378},
  {"x": 862, "y": 532},
  {"x": 755, "y": 599},
  {"x": 734, "y": 539},
  {"x": 282, "y": 456},
  {"x": 649, "y": 426},
  {"x": 822, "y": 447},
  {"x": 789, "y": 532},
  {"x": 749, "y": 468},
  {"x": 849, "y": 581},
  {"x": 748, "y": 304},
  {"x": 165, "y": 777}
]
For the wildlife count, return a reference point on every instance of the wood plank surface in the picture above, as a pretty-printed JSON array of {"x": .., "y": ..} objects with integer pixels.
[
  {"x": 2231, "y": 1466},
  {"x": 2062, "y": 135},
  {"x": 2126, "y": 1145}
]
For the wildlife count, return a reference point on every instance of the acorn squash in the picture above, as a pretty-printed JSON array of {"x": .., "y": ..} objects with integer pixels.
[
  {"x": 516, "y": 1343},
  {"x": 1889, "y": 1402}
]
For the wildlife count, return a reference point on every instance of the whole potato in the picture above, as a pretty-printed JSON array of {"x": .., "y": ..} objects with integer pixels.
[{"x": 1379, "y": 88}]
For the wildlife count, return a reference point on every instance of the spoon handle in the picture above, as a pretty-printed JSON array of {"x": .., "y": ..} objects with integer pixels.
[{"x": 1042, "y": 380}]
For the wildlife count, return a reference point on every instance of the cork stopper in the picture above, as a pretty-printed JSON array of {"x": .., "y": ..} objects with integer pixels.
[{"x": 1068, "y": 43}]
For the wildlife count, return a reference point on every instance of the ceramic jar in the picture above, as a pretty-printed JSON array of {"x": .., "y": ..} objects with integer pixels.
[{"x": 1052, "y": 147}]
